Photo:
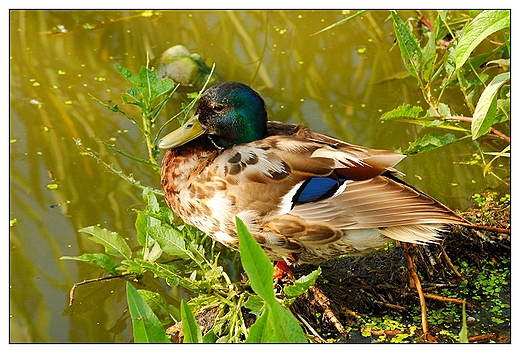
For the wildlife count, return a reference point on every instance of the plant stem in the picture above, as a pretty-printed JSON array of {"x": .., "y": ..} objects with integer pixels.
[{"x": 469, "y": 120}]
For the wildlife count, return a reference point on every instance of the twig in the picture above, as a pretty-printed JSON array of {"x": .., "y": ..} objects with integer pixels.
[
  {"x": 324, "y": 303},
  {"x": 350, "y": 312},
  {"x": 447, "y": 258},
  {"x": 424, "y": 20},
  {"x": 382, "y": 332},
  {"x": 440, "y": 298},
  {"x": 76, "y": 285},
  {"x": 128, "y": 178},
  {"x": 488, "y": 228},
  {"x": 391, "y": 306},
  {"x": 479, "y": 338},
  {"x": 413, "y": 274}
]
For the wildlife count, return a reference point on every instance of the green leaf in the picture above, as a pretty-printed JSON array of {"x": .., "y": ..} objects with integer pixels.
[
  {"x": 142, "y": 222},
  {"x": 257, "y": 265},
  {"x": 209, "y": 337},
  {"x": 153, "y": 253},
  {"x": 102, "y": 261},
  {"x": 444, "y": 109},
  {"x": 128, "y": 75},
  {"x": 303, "y": 283},
  {"x": 170, "y": 240},
  {"x": 255, "y": 305},
  {"x": 190, "y": 328},
  {"x": 114, "y": 244},
  {"x": 485, "y": 24},
  {"x": 505, "y": 64},
  {"x": 151, "y": 200},
  {"x": 276, "y": 324},
  {"x": 134, "y": 267},
  {"x": 429, "y": 142},
  {"x": 260, "y": 331},
  {"x": 285, "y": 327},
  {"x": 164, "y": 311},
  {"x": 485, "y": 111},
  {"x": 404, "y": 111},
  {"x": 146, "y": 326},
  {"x": 409, "y": 46},
  {"x": 429, "y": 50}
]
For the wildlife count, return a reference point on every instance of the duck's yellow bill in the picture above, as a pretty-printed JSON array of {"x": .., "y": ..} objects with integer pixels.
[{"x": 187, "y": 132}]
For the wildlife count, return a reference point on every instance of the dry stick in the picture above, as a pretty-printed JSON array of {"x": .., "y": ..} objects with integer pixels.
[
  {"x": 391, "y": 306},
  {"x": 446, "y": 257},
  {"x": 324, "y": 302},
  {"x": 382, "y": 332},
  {"x": 486, "y": 337},
  {"x": 488, "y": 228},
  {"x": 440, "y": 298},
  {"x": 73, "y": 289},
  {"x": 413, "y": 274},
  {"x": 424, "y": 20}
]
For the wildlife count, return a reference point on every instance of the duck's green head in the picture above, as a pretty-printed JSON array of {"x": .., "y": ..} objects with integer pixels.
[{"x": 229, "y": 113}]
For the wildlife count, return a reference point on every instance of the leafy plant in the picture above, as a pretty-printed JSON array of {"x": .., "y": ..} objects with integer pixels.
[
  {"x": 444, "y": 56},
  {"x": 439, "y": 65}
]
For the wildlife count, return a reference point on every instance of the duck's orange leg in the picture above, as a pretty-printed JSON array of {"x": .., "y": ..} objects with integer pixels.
[{"x": 281, "y": 268}]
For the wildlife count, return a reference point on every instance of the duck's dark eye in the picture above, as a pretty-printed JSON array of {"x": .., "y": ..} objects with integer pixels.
[{"x": 218, "y": 107}]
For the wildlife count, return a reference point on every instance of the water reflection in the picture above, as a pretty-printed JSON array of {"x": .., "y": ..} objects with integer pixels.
[{"x": 337, "y": 82}]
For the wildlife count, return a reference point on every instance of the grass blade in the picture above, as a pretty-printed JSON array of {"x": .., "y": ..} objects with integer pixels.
[{"x": 351, "y": 17}]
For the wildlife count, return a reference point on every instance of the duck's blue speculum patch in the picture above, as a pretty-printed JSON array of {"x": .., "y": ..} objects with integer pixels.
[{"x": 318, "y": 188}]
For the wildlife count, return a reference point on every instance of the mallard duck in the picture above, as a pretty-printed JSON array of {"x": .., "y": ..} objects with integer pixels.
[{"x": 305, "y": 197}]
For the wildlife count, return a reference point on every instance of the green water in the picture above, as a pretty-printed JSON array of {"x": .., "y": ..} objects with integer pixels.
[{"x": 338, "y": 82}]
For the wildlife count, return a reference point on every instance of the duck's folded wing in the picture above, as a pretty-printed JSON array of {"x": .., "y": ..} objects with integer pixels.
[{"x": 382, "y": 201}]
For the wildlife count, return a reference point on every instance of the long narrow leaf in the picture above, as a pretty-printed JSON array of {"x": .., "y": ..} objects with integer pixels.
[
  {"x": 483, "y": 25},
  {"x": 257, "y": 265},
  {"x": 485, "y": 111},
  {"x": 147, "y": 327},
  {"x": 190, "y": 328},
  {"x": 286, "y": 327},
  {"x": 276, "y": 324},
  {"x": 409, "y": 46}
]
